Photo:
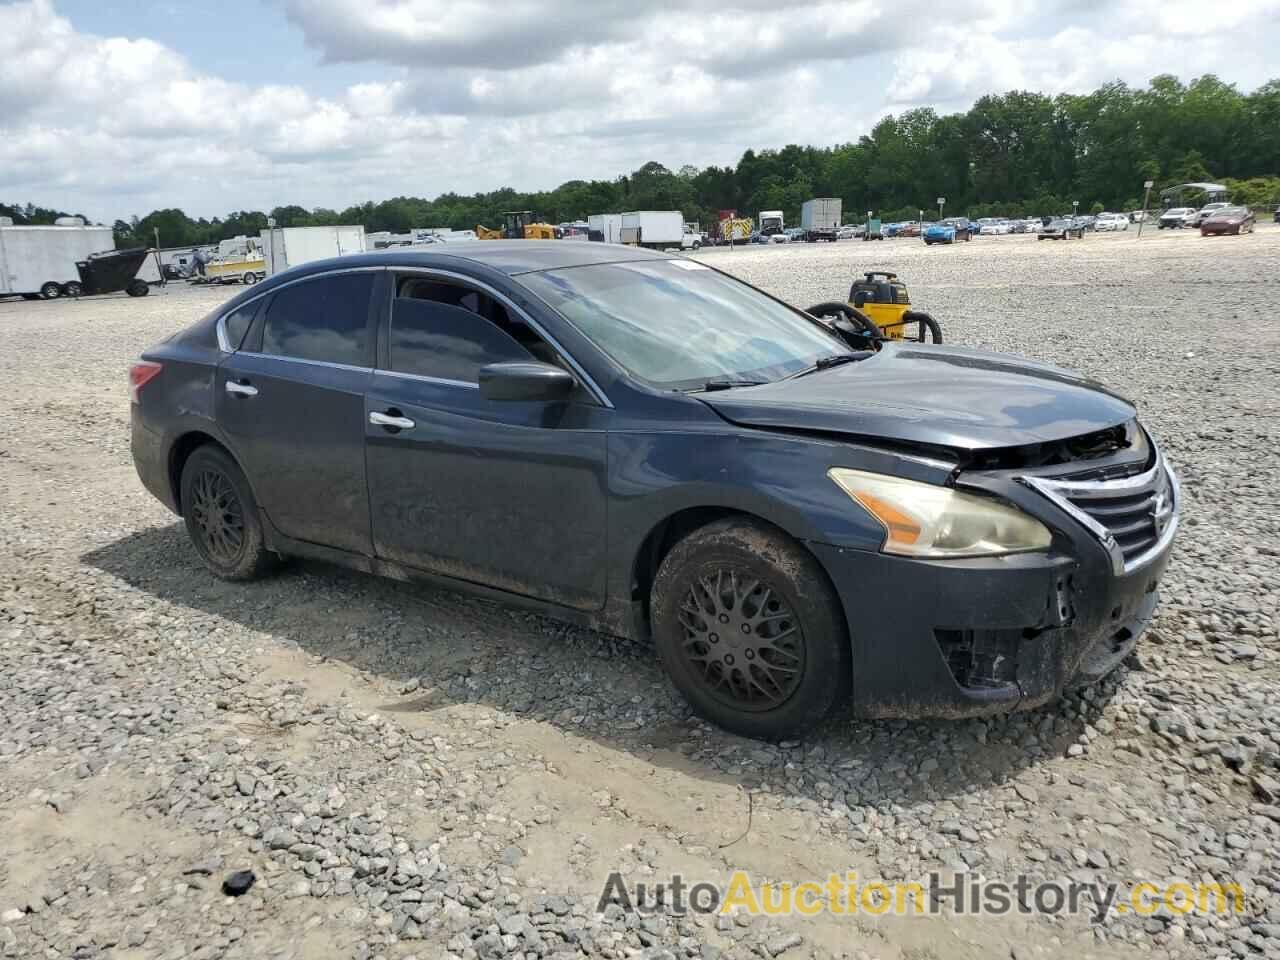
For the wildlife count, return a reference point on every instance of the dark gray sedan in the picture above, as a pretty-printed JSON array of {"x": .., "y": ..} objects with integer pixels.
[{"x": 794, "y": 510}]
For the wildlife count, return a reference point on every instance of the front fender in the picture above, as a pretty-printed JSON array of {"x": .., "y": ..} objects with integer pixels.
[{"x": 778, "y": 477}]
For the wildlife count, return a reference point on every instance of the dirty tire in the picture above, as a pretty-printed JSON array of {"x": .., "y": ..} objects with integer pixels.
[
  {"x": 221, "y": 516},
  {"x": 73, "y": 289},
  {"x": 50, "y": 291},
  {"x": 787, "y": 674},
  {"x": 137, "y": 288}
]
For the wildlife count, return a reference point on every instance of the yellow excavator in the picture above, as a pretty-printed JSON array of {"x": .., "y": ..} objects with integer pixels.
[{"x": 518, "y": 225}]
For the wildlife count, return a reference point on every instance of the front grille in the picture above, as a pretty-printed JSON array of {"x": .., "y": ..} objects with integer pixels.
[
  {"x": 1130, "y": 515},
  {"x": 1129, "y": 518}
]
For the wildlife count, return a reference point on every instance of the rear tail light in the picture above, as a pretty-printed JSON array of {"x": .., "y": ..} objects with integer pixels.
[{"x": 140, "y": 374}]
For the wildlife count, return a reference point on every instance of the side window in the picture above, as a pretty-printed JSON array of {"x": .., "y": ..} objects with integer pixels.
[
  {"x": 236, "y": 324},
  {"x": 445, "y": 340},
  {"x": 322, "y": 319}
]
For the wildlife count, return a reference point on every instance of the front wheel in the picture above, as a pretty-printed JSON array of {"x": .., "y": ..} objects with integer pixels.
[
  {"x": 50, "y": 291},
  {"x": 221, "y": 516},
  {"x": 137, "y": 288},
  {"x": 750, "y": 630}
]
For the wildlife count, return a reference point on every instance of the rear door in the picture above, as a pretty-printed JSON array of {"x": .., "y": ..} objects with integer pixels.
[
  {"x": 291, "y": 401},
  {"x": 506, "y": 494}
]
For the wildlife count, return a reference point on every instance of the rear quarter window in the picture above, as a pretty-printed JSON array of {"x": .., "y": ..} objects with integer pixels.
[{"x": 325, "y": 319}]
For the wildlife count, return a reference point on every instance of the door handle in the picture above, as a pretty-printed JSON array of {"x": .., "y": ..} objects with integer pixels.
[
  {"x": 240, "y": 389},
  {"x": 391, "y": 421}
]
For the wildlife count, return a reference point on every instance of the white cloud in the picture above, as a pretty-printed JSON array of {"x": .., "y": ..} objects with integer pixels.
[{"x": 476, "y": 94}]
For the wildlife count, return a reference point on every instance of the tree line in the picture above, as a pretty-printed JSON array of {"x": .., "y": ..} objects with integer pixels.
[{"x": 1013, "y": 154}]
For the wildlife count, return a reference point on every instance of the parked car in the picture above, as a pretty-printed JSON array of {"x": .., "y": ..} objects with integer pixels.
[
  {"x": 851, "y": 231},
  {"x": 1137, "y": 216},
  {"x": 758, "y": 237},
  {"x": 910, "y": 229},
  {"x": 1061, "y": 228},
  {"x": 947, "y": 231},
  {"x": 1208, "y": 210},
  {"x": 782, "y": 236},
  {"x": 1177, "y": 217},
  {"x": 647, "y": 446},
  {"x": 994, "y": 226},
  {"x": 1110, "y": 222},
  {"x": 1235, "y": 220},
  {"x": 797, "y": 235}
]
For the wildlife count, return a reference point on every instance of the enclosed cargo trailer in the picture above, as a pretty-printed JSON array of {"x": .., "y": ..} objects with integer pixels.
[
  {"x": 286, "y": 247},
  {"x": 820, "y": 218},
  {"x": 40, "y": 261}
]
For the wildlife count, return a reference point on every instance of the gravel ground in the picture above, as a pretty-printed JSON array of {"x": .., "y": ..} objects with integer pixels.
[{"x": 409, "y": 772}]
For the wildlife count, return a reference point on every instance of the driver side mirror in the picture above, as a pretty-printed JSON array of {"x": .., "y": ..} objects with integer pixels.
[{"x": 525, "y": 380}]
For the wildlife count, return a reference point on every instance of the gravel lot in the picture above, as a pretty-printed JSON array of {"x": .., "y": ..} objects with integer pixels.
[{"x": 409, "y": 772}]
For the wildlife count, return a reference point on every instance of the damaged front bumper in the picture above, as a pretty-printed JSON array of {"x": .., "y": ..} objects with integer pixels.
[{"x": 955, "y": 638}]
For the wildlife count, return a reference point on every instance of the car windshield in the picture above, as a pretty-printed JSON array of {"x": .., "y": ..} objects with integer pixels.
[
  {"x": 678, "y": 324},
  {"x": 1230, "y": 212}
]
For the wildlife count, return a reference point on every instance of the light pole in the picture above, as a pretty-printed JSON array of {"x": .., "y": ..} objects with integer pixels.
[
  {"x": 941, "y": 201},
  {"x": 1075, "y": 209},
  {"x": 1146, "y": 196}
]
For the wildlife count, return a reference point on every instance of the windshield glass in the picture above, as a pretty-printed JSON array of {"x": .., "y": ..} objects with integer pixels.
[{"x": 678, "y": 323}]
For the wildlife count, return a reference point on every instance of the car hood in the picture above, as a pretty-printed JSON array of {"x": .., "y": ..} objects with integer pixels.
[{"x": 945, "y": 396}]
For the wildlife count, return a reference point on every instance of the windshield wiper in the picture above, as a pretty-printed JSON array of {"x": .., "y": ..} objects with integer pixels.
[
  {"x": 823, "y": 363},
  {"x": 725, "y": 383}
]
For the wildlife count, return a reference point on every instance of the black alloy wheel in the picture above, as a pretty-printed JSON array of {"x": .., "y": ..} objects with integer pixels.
[
  {"x": 218, "y": 515},
  {"x": 749, "y": 629},
  {"x": 742, "y": 640},
  {"x": 221, "y": 516}
]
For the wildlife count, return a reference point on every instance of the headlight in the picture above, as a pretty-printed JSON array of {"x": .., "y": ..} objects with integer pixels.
[{"x": 925, "y": 520}]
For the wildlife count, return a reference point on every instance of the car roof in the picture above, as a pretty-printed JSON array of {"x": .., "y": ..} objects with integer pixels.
[{"x": 511, "y": 257}]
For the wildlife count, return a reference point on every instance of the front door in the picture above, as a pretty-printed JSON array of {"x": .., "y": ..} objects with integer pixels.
[
  {"x": 506, "y": 494},
  {"x": 291, "y": 402}
]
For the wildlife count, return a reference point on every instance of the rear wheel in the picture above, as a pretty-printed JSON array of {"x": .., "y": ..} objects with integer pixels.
[
  {"x": 749, "y": 629},
  {"x": 73, "y": 289},
  {"x": 249, "y": 279},
  {"x": 50, "y": 291},
  {"x": 222, "y": 516}
]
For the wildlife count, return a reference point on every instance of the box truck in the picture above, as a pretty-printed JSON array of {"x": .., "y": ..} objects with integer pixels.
[
  {"x": 605, "y": 227},
  {"x": 820, "y": 218},
  {"x": 41, "y": 261},
  {"x": 770, "y": 222},
  {"x": 658, "y": 229},
  {"x": 286, "y": 247}
]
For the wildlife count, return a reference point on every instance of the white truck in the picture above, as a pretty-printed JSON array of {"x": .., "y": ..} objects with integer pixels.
[
  {"x": 41, "y": 261},
  {"x": 770, "y": 222},
  {"x": 658, "y": 229},
  {"x": 286, "y": 247},
  {"x": 820, "y": 218},
  {"x": 607, "y": 225}
]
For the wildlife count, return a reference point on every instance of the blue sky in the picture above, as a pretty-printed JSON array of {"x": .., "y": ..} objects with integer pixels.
[{"x": 114, "y": 109}]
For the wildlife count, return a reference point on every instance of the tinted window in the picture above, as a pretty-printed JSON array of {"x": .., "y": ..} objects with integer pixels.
[
  {"x": 236, "y": 324},
  {"x": 433, "y": 339},
  {"x": 322, "y": 319}
]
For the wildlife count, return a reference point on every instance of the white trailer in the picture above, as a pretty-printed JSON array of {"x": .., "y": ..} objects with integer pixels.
[
  {"x": 820, "y": 218},
  {"x": 41, "y": 261},
  {"x": 658, "y": 229},
  {"x": 287, "y": 247},
  {"x": 608, "y": 225}
]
